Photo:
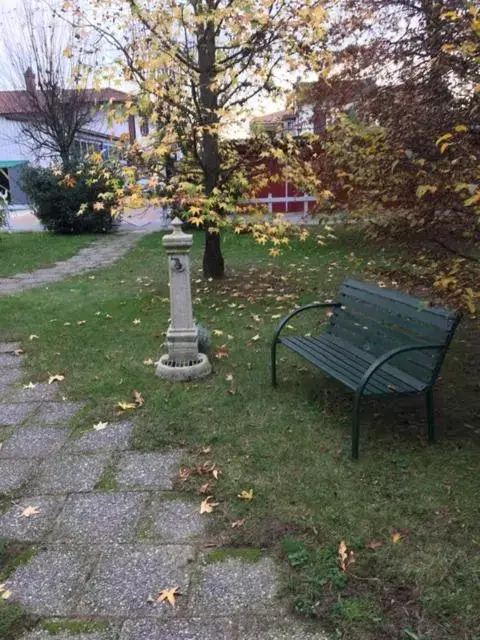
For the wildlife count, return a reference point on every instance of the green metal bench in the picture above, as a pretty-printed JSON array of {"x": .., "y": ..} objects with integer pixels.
[{"x": 378, "y": 342}]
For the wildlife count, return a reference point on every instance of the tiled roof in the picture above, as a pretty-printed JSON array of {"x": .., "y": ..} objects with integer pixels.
[
  {"x": 274, "y": 118},
  {"x": 18, "y": 103}
]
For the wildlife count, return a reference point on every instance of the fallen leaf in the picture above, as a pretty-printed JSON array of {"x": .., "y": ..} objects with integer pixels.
[
  {"x": 19, "y": 352},
  {"x": 123, "y": 406},
  {"x": 375, "y": 544},
  {"x": 137, "y": 321},
  {"x": 222, "y": 352},
  {"x": 80, "y": 322},
  {"x": 184, "y": 473},
  {"x": 168, "y": 595},
  {"x": 29, "y": 511},
  {"x": 396, "y": 537},
  {"x": 216, "y": 472},
  {"x": 342, "y": 554},
  {"x": 238, "y": 523},
  {"x": 206, "y": 450},
  {"x": 217, "y": 332},
  {"x": 204, "y": 489},
  {"x": 4, "y": 592},
  {"x": 33, "y": 337},
  {"x": 246, "y": 495},
  {"x": 207, "y": 506},
  {"x": 137, "y": 397},
  {"x": 345, "y": 556},
  {"x": 56, "y": 377},
  {"x": 100, "y": 426},
  {"x": 256, "y": 337},
  {"x": 30, "y": 385},
  {"x": 148, "y": 362},
  {"x": 204, "y": 468}
]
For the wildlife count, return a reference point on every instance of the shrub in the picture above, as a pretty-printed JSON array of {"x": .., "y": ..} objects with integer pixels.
[{"x": 84, "y": 199}]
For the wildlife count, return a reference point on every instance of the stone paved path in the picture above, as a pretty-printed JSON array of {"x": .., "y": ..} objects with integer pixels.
[
  {"x": 101, "y": 253},
  {"x": 99, "y": 554}
]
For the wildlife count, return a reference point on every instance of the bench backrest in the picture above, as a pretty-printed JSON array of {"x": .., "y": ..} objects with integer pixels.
[{"x": 377, "y": 319}]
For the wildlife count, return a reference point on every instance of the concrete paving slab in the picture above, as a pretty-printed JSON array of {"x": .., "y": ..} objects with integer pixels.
[
  {"x": 30, "y": 528},
  {"x": 99, "y": 517},
  {"x": 148, "y": 469},
  {"x": 126, "y": 576},
  {"x": 70, "y": 473}
]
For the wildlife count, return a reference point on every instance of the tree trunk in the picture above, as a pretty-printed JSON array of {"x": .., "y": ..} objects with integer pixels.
[{"x": 213, "y": 264}]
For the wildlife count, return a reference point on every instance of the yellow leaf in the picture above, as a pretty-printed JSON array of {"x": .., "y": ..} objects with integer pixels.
[
  {"x": 29, "y": 511},
  {"x": 342, "y": 555},
  {"x": 422, "y": 189},
  {"x": 217, "y": 332},
  {"x": 56, "y": 377},
  {"x": 33, "y": 337},
  {"x": 446, "y": 136},
  {"x": 207, "y": 506},
  {"x": 100, "y": 426},
  {"x": 148, "y": 362},
  {"x": 4, "y": 592},
  {"x": 137, "y": 321},
  {"x": 168, "y": 595},
  {"x": 123, "y": 406},
  {"x": 461, "y": 128},
  {"x": 246, "y": 495},
  {"x": 396, "y": 537},
  {"x": 67, "y": 52},
  {"x": 473, "y": 200}
]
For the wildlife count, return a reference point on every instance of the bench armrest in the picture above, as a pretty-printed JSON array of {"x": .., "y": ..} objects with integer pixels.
[
  {"x": 313, "y": 305},
  {"x": 379, "y": 362}
]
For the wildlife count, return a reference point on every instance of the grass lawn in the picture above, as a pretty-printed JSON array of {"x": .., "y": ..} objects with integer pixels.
[
  {"x": 23, "y": 252},
  {"x": 408, "y": 511}
]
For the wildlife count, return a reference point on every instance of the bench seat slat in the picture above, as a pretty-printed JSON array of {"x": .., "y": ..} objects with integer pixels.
[
  {"x": 361, "y": 357},
  {"x": 395, "y": 307},
  {"x": 366, "y": 313},
  {"x": 341, "y": 361},
  {"x": 417, "y": 363},
  {"x": 400, "y": 297}
]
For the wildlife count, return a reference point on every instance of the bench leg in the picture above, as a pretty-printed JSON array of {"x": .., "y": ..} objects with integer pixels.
[
  {"x": 430, "y": 402},
  {"x": 274, "y": 363},
  {"x": 356, "y": 426}
]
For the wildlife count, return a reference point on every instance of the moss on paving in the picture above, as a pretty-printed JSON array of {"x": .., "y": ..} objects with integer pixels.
[
  {"x": 14, "y": 619},
  {"x": 73, "y": 627}
]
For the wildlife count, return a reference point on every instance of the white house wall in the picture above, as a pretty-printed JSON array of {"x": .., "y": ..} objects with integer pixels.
[{"x": 11, "y": 145}]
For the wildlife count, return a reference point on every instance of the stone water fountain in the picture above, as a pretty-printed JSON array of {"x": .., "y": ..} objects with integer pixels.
[{"x": 183, "y": 361}]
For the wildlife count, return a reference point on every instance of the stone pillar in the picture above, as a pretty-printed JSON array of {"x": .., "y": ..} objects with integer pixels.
[{"x": 183, "y": 361}]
